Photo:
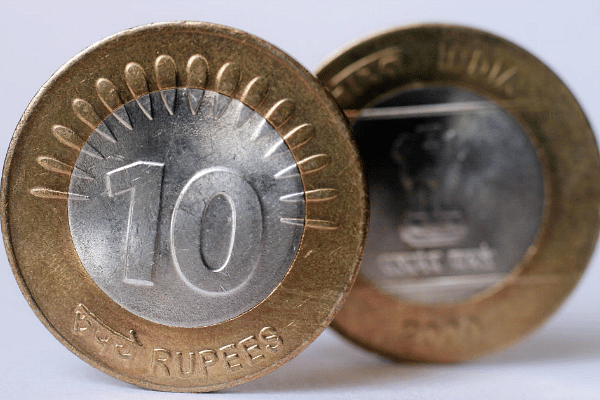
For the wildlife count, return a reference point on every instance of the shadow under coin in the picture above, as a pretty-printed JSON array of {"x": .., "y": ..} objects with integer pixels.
[
  {"x": 554, "y": 344},
  {"x": 82, "y": 372},
  {"x": 331, "y": 362}
]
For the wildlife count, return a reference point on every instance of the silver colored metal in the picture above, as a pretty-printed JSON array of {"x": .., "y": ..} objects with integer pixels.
[
  {"x": 456, "y": 197},
  {"x": 177, "y": 208},
  {"x": 424, "y": 110}
]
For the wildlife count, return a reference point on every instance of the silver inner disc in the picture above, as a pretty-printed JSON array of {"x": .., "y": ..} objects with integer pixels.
[
  {"x": 176, "y": 208},
  {"x": 456, "y": 193}
]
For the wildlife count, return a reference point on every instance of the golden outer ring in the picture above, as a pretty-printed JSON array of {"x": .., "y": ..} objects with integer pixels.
[
  {"x": 46, "y": 265},
  {"x": 434, "y": 55}
]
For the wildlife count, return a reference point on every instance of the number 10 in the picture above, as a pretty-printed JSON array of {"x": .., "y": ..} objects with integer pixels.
[{"x": 215, "y": 211}]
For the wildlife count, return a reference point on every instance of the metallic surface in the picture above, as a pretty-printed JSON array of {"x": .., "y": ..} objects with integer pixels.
[
  {"x": 456, "y": 198},
  {"x": 146, "y": 77},
  {"x": 520, "y": 198},
  {"x": 158, "y": 244}
]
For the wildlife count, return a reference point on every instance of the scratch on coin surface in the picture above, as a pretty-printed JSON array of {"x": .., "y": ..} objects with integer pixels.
[{"x": 302, "y": 303}]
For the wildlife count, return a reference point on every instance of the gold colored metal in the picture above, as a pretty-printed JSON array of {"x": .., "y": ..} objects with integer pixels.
[
  {"x": 452, "y": 56},
  {"x": 35, "y": 223}
]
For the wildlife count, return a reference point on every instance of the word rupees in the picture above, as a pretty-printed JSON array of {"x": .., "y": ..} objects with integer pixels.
[{"x": 228, "y": 358}]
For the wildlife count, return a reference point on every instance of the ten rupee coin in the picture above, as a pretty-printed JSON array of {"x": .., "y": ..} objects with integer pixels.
[
  {"x": 183, "y": 206},
  {"x": 484, "y": 182}
]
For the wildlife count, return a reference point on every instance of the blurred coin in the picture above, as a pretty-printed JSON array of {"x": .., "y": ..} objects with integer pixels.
[
  {"x": 183, "y": 206},
  {"x": 484, "y": 178}
]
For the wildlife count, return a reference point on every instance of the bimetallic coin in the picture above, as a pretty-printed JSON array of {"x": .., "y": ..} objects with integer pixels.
[
  {"x": 483, "y": 176},
  {"x": 183, "y": 206},
  {"x": 457, "y": 195},
  {"x": 192, "y": 197}
]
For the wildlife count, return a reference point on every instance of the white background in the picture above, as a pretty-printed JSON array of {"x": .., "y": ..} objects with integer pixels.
[{"x": 560, "y": 361}]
